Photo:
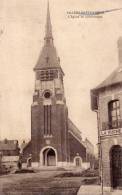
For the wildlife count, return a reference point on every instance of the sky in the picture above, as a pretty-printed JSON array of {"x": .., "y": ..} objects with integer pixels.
[{"x": 87, "y": 48}]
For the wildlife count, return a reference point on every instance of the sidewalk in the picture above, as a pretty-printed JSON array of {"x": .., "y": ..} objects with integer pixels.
[
  {"x": 96, "y": 190},
  {"x": 89, "y": 190}
]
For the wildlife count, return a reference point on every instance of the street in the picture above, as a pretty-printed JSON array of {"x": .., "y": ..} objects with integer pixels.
[{"x": 39, "y": 183}]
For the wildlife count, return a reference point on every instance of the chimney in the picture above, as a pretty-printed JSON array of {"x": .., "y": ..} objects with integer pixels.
[{"x": 120, "y": 51}]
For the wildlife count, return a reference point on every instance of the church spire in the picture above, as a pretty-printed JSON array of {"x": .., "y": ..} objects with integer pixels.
[
  {"x": 48, "y": 57},
  {"x": 48, "y": 30}
]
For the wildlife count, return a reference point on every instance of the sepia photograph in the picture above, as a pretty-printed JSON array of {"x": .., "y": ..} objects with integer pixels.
[{"x": 60, "y": 97}]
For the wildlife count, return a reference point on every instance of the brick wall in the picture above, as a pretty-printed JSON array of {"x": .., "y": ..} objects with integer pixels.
[
  {"x": 59, "y": 137},
  {"x": 26, "y": 151},
  {"x": 107, "y": 142},
  {"x": 76, "y": 147}
]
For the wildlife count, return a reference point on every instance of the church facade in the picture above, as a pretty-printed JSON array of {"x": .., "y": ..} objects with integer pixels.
[
  {"x": 55, "y": 140},
  {"x": 106, "y": 100}
]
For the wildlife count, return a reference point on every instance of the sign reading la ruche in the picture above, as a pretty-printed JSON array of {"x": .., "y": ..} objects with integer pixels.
[{"x": 111, "y": 132}]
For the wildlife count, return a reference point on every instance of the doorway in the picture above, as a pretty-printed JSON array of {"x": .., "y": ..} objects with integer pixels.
[
  {"x": 49, "y": 157},
  {"x": 116, "y": 166},
  {"x": 78, "y": 161}
]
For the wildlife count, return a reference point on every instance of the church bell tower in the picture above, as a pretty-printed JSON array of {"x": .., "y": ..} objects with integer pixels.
[{"x": 49, "y": 115}]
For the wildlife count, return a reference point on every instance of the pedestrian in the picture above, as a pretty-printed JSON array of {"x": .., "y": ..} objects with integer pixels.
[
  {"x": 29, "y": 160},
  {"x": 19, "y": 164}
]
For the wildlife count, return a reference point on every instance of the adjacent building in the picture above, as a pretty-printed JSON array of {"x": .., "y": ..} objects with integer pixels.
[
  {"x": 90, "y": 157},
  {"x": 9, "y": 153},
  {"x": 9, "y": 147},
  {"x": 106, "y": 101}
]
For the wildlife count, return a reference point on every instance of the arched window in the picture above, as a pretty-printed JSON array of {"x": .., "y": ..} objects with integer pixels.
[
  {"x": 78, "y": 162},
  {"x": 114, "y": 114}
]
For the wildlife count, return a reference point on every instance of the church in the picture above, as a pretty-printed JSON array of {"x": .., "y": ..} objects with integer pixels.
[
  {"x": 55, "y": 140},
  {"x": 106, "y": 101}
]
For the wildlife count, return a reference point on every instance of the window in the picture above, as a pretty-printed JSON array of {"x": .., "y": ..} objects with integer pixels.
[
  {"x": 47, "y": 94},
  {"x": 78, "y": 161},
  {"x": 47, "y": 120},
  {"x": 114, "y": 114}
]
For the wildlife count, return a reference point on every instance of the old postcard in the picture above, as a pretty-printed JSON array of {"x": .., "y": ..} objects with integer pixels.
[{"x": 61, "y": 97}]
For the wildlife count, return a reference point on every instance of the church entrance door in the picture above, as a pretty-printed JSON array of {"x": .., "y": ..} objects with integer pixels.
[
  {"x": 116, "y": 166},
  {"x": 49, "y": 157}
]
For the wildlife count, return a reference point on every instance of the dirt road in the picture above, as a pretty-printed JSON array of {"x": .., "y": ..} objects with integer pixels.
[{"x": 39, "y": 183}]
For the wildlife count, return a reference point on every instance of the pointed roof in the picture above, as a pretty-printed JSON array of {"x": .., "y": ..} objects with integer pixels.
[
  {"x": 75, "y": 132},
  {"x": 48, "y": 57},
  {"x": 114, "y": 78},
  {"x": 48, "y": 31}
]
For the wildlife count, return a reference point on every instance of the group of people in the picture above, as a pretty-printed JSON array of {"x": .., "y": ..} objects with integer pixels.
[{"x": 29, "y": 162}]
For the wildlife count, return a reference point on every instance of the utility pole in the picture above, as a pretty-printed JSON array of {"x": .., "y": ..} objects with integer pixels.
[
  {"x": 1, "y": 32},
  {"x": 99, "y": 149}
]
